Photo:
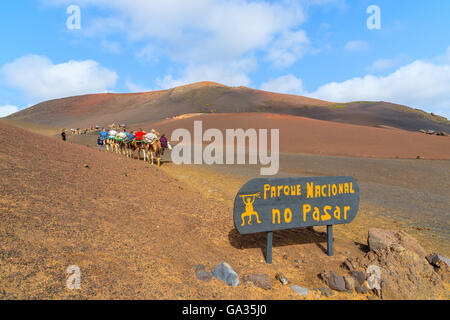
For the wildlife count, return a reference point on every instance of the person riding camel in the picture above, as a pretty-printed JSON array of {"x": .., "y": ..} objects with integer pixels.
[
  {"x": 112, "y": 134},
  {"x": 103, "y": 134},
  {"x": 122, "y": 135},
  {"x": 138, "y": 135},
  {"x": 130, "y": 137},
  {"x": 150, "y": 137}
]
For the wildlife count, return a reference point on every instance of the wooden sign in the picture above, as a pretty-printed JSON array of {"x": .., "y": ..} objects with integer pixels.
[{"x": 271, "y": 204}]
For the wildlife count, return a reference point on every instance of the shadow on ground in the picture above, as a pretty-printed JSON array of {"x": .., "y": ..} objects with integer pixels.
[{"x": 280, "y": 239}]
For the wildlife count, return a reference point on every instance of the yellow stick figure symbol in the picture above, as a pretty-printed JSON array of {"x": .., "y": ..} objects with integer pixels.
[{"x": 249, "y": 212}]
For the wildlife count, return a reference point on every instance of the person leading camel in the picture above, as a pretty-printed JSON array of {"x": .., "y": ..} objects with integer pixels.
[{"x": 164, "y": 142}]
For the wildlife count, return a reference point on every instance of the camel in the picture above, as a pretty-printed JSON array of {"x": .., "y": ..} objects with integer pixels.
[
  {"x": 153, "y": 150},
  {"x": 120, "y": 144},
  {"x": 137, "y": 146},
  {"x": 121, "y": 147},
  {"x": 109, "y": 143},
  {"x": 129, "y": 149},
  {"x": 110, "y": 140}
]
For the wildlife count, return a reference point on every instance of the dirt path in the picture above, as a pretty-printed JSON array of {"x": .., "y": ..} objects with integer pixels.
[{"x": 395, "y": 193}]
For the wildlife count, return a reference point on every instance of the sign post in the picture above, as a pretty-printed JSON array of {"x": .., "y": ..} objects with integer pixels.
[
  {"x": 330, "y": 240},
  {"x": 272, "y": 204},
  {"x": 269, "y": 247}
]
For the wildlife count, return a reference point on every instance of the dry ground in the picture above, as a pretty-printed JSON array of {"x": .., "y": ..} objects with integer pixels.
[
  {"x": 134, "y": 231},
  {"x": 318, "y": 137}
]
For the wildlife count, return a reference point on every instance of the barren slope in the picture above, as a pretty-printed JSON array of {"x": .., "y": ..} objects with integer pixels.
[
  {"x": 310, "y": 136},
  {"x": 209, "y": 97},
  {"x": 134, "y": 231}
]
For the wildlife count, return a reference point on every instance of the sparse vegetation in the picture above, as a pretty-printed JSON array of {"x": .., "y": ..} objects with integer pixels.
[
  {"x": 424, "y": 114},
  {"x": 207, "y": 109},
  {"x": 264, "y": 108},
  {"x": 338, "y": 106}
]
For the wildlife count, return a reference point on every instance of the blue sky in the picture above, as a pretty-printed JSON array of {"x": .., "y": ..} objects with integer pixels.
[{"x": 317, "y": 48}]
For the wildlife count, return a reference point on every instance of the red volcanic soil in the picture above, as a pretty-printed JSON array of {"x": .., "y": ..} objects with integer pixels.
[
  {"x": 134, "y": 231},
  {"x": 310, "y": 136}
]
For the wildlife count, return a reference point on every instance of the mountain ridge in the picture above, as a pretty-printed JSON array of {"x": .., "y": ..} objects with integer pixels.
[{"x": 210, "y": 97}]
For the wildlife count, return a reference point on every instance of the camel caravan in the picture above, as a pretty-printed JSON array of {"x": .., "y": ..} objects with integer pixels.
[
  {"x": 96, "y": 129},
  {"x": 151, "y": 144},
  {"x": 89, "y": 130}
]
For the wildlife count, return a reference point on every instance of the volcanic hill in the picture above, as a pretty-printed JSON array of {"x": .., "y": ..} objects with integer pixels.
[{"x": 210, "y": 97}]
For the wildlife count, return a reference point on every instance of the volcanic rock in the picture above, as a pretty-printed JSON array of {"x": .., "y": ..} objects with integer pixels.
[
  {"x": 258, "y": 280},
  {"x": 349, "y": 282},
  {"x": 282, "y": 278},
  {"x": 404, "y": 273},
  {"x": 359, "y": 277},
  {"x": 202, "y": 274},
  {"x": 441, "y": 264},
  {"x": 379, "y": 238},
  {"x": 333, "y": 280},
  {"x": 224, "y": 272},
  {"x": 301, "y": 291}
]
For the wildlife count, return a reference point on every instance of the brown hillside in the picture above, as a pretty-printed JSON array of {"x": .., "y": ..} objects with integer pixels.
[
  {"x": 210, "y": 97},
  {"x": 311, "y": 136}
]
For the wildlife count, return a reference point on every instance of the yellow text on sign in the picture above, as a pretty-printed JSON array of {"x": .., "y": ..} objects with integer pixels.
[
  {"x": 325, "y": 213},
  {"x": 312, "y": 190},
  {"x": 330, "y": 190},
  {"x": 276, "y": 216}
]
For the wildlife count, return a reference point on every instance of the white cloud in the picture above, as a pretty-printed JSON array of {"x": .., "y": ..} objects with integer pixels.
[
  {"x": 341, "y": 4},
  {"x": 207, "y": 35},
  {"x": 445, "y": 58},
  {"x": 7, "y": 110},
  {"x": 148, "y": 53},
  {"x": 388, "y": 64},
  {"x": 356, "y": 45},
  {"x": 233, "y": 74},
  {"x": 206, "y": 38},
  {"x": 41, "y": 79},
  {"x": 285, "y": 84},
  {"x": 288, "y": 48},
  {"x": 111, "y": 46},
  {"x": 132, "y": 87},
  {"x": 421, "y": 84},
  {"x": 195, "y": 30}
]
